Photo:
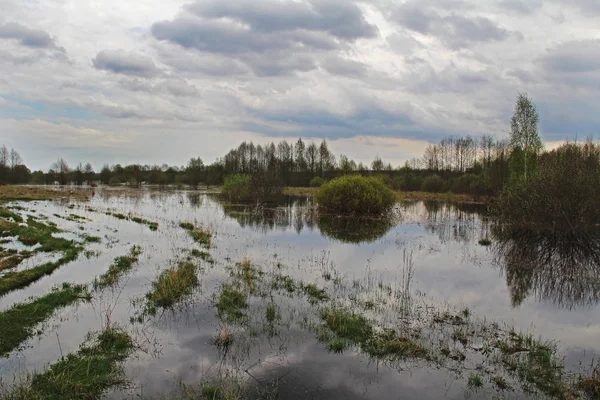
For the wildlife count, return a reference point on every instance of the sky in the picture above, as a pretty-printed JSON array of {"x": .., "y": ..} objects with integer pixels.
[{"x": 156, "y": 82}]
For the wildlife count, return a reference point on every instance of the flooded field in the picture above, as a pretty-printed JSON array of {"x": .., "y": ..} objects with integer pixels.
[{"x": 229, "y": 301}]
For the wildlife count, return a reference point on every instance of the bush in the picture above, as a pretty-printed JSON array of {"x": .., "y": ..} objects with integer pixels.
[
  {"x": 317, "y": 181},
  {"x": 261, "y": 187},
  {"x": 433, "y": 184},
  {"x": 354, "y": 194},
  {"x": 237, "y": 187}
]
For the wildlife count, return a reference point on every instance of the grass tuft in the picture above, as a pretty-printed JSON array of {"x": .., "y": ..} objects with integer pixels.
[
  {"x": 172, "y": 285},
  {"x": 231, "y": 303},
  {"x": 120, "y": 267}
]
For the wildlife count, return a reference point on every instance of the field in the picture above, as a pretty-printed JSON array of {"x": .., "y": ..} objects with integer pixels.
[{"x": 180, "y": 295}]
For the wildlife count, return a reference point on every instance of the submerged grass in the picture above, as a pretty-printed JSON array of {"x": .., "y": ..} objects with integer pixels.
[
  {"x": 18, "y": 323},
  {"x": 121, "y": 266},
  {"x": 82, "y": 375},
  {"x": 201, "y": 235},
  {"x": 26, "y": 193},
  {"x": 10, "y": 262},
  {"x": 17, "y": 280},
  {"x": 231, "y": 303},
  {"x": 138, "y": 220},
  {"x": 172, "y": 285}
]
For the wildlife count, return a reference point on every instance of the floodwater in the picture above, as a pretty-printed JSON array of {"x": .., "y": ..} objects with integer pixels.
[{"x": 429, "y": 251}]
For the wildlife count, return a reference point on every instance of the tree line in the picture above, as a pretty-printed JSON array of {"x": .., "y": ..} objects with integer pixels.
[{"x": 461, "y": 164}]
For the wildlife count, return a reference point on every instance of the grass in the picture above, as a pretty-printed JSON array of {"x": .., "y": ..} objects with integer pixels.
[
  {"x": 10, "y": 262},
  {"x": 172, "y": 285},
  {"x": 203, "y": 255},
  {"x": 231, "y": 303},
  {"x": 337, "y": 345},
  {"x": 121, "y": 266},
  {"x": 28, "y": 193},
  {"x": 314, "y": 294},
  {"x": 138, "y": 220},
  {"x": 475, "y": 381},
  {"x": 18, "y": 323},
  {"x": 401, "y": 196},
  {"x": 92, "y": 239},
  {"x": 248, "y": 273},
  {"x": 224, "y": 339},
  {"x": 187, "y": 226},
  {"x": 82, "y": 375},
  {"x": 17, "y": 280},
  {"x": 389, "y": 345},
  {"x": 271, "y": 313},
  {"x": 347, "y": 325},
  {"x": 201, "y": 235},
  {"x": 485, "y": 242}
]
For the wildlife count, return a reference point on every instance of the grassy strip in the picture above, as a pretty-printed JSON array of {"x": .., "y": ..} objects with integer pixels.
[
  {"x": 17, "y": 280},
  {"x": 401, "y": 196},
  {"x": 171, "y": 286},
  {"x": 18, "y": 323},
  {"x": 10, "y": 262},
  {"x": 350, "y": 328},
  {"x": 28, "y": 193},
  {"x": 152, "y": 225},
  {"x": 82, "y": 375},
  {"x": 121, "y": 266}
]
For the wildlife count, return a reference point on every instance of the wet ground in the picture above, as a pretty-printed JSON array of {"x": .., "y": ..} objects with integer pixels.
[{"x": 429, "y": 259}]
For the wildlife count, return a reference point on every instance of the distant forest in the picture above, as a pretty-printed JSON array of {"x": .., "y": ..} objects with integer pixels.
[{"x": 456, "y": 164}]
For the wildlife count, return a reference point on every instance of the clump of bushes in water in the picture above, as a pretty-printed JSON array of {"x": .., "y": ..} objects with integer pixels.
[
  {"x": 561, "y": 195},
  {"x": 317, "y": 181},
  {"x": 259, "y": 187},
  {"x": 355, "y": 195}
]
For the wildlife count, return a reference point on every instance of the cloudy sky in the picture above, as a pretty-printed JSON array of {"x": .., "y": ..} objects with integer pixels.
[{"x": 161, "y": 81}]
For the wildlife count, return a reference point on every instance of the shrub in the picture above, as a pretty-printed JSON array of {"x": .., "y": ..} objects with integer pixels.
[
  {"x": 261, "y": 187},
  {"x": 317, "y": 181},
  {"x": 354, "y": 194},
  {"x": 433, "y": 184},
  {"x": 237, "y": 187}
]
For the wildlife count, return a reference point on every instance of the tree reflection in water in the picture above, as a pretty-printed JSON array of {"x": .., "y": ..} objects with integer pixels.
[{"x": 563, "y": 269}]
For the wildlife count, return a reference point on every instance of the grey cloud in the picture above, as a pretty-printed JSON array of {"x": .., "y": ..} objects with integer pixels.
[
  {"x": 340, "y": 19},
  {"x": 455, "y": 30},
  {"x": 270, "y": 37},
  {"x": 521, "y": 6},
  {"x": 227, "y": 38},
  {"x": 35, "y": 38},
  {"x": 176, "y": 87},
  {"x": 121, "y": 62},
  {"x": 344, "y": 67},
  {"x": 573, "y": 57}
]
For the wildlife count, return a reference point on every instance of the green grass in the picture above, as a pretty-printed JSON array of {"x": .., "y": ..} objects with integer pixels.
[
  {"x": 390, "y": 345},
  {"x": 347, "y": 325},
  {"x": 172, "y": 285},
  {"x": 17, "y": 280},
  {"x": 485, "y": 242},
  {"x": 201, "y": 235},
  {"x": 314, "y": 294},
  {"x": 203, "y": 255},
  {"x": 475, "y": 381},
  {"x": 19, "y": 323},
  {"x": 152, "y": 225},
  {"x": 271, "y": 313},
  {"x": 121, "y": 266},
  {"x": 337, "y": 345},
  {"x": 231, "y": 303},
  {"x": 92, "y": 239},
  {"x": 187, "y": 226},
  {"x": 82, "y": 375},
  {"x": 10, "y": 262}
]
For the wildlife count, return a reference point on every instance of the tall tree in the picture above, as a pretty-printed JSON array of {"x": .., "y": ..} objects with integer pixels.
[
  {"x": 195, "y": 171},
  {"x": 524, "y": 134},
  {"x": 311, "y": 157}
]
